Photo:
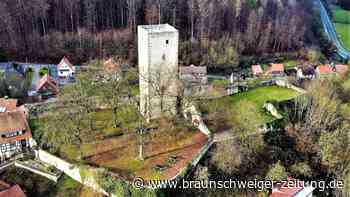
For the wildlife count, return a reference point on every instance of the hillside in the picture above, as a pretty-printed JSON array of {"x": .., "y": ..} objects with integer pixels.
[{"x": 43, "y": 30}]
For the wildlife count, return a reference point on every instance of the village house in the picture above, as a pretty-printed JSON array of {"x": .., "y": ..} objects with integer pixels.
[
  {"x": 7, "y": 190},
  {"x": 15, "y": 133},
  {"x": 112, "y": 69},
  {"x": 341, "y": 69},
  {"x": 65, "y": 69},
  {"x": 47, "y": 87},
  {"x": 195, "y": 77},
  {"x": 276, "y": 70},
  {"x": 257, "y": 70},
  {"x": 305, "y": 72},
  {"x": 324, "y": 71},
  {"x": 292, "y": 188}
]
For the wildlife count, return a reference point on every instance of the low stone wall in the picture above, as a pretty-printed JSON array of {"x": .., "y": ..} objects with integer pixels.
[
  {"x": 70, "y": 170},
  {"x": 50, "y": 176},
  {"x": 286, "y": 84}
]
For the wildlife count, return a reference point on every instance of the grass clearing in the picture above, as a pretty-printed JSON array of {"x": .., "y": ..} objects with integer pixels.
[
  {"x": 343, "y": 31},
  {"x": 340, "y": 15},
  {"x": 292, "y": 63},
  {"x": 249, "y": 105}
]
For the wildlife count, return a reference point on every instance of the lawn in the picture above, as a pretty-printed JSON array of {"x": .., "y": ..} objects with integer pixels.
[
  {"x": 340, "y": 15},
  {"x": 343, "y": 31},
  {"x": 249, "y": 105},
  {"x": 292, "y": 63}
]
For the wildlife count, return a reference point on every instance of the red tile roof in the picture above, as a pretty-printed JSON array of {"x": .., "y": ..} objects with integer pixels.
[
  {"x": 324, "y": 69},
  {"x": 257, "y": 69},
  {"x": 9, "y": 104},
  {"x": 288, "y": 189},
  {"x": 12, "y": 121},
  {"x": 277, "y": 68},
  {"x": 48, "y": 83},
  {"x": 14, "y": 191},
  {"x": 341, "y": 69}
]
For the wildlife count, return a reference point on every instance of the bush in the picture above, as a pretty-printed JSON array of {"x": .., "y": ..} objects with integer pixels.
[{"x": 43, "y": 71}]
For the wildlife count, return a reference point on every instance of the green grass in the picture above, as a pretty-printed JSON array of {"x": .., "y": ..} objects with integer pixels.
[
  {"x": 340, "y": 15},
  {"x": 291, "y": 63},
  {"x": 343, "y": 31},
  {"x": 249, "y": 105}
]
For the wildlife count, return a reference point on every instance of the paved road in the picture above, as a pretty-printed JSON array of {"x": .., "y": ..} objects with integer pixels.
[{"x": 331, "y": 31}]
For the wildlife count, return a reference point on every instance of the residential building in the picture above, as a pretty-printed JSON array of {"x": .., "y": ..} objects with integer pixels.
[
  {"x": 15, "y": 134},
  {"x": 276, "y": 70},
  {"x": 341, "y": 69},
  {"x": 47, "y": 87},
  {"x": 292, "y": 188},
  {"x": 8, "y": 105},
  {"x": 194, "y": 74},
  {"x": 306, "y": 72},
  {"x": 65, "y": 69},
  {"x": 324, "y": 71},
  {"x": 257, "y": 70},
  {"x": 195, "y": 79},
  {"x": 10, "y": 191},
  {"x": 158, "y": 69},
  {"x": 112, "y": 68}
]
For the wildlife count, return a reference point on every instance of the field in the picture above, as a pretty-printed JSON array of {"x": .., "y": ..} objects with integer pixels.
[
  {"x": 248, "y": 106},
  {"x": 341, "y": 20},
  {"x": 343, "y": 31},
  {"x": 340, "y": 15}
]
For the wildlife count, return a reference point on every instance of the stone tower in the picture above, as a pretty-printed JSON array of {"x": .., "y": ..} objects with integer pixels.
[{"x": 158, "y": 69}]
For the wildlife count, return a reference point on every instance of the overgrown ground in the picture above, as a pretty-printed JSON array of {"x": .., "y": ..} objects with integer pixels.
[
  {"x": 117, "y": 149},
  {"x": 341, "y": 20},
  {"x": 246, "y": 106}
]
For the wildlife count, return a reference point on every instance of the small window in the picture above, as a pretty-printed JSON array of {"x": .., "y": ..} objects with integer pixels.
[{"x": 167, "y": 42}]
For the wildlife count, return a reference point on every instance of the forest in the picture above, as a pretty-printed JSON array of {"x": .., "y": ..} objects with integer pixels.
[{"x": 213, "y": 32}]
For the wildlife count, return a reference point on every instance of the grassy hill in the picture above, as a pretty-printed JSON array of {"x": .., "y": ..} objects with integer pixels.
[{"x": 341, "y": 20}]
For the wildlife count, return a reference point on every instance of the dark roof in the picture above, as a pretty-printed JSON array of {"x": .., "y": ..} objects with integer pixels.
[
  {"x": 308, "y": 70},
  {"x": 192, "y": 69}
]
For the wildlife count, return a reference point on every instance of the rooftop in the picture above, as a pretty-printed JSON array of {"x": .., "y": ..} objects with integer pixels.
[
  {"x": 158, "y": 28},
  {"x": 291, "y": 188},
  {"x": 14, "y": 191},
  {"x": 7, "y": 104},
  {"x": 12, "y": 121}
]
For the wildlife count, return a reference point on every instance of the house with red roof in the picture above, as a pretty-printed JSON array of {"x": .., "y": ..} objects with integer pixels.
[
  {"x": 47, "y": 87},
  {"x": 324, "y": 71},
  {"x": 292, "y": 188},
  {"x": 10, "y": 191},
  {"x": 257, "y": 70},
  {"x": 341, "y": 69},
  {"x": 276, "y": 70},
  {"x": 15, "y": 134},
  {"x": 65, "y": 69}
]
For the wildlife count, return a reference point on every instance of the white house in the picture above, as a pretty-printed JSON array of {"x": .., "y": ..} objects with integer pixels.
[
  {"x": 158, "y": 69},
  {"x": 65, "y": 68}
]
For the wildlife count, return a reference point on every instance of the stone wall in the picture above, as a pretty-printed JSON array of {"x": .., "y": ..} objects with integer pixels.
[{"x": 70, "y": 170}]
